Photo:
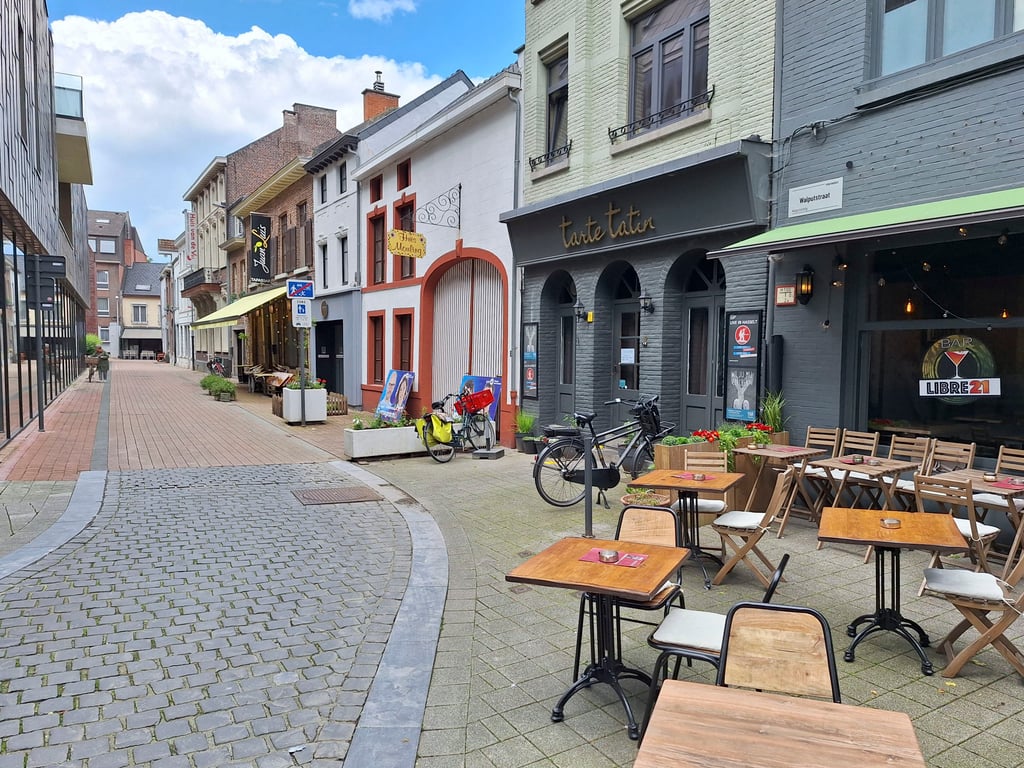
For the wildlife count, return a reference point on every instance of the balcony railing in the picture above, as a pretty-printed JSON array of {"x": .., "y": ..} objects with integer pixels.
[
  {"x": 551, "y": 157},
  {"x": 67, "y": 96},
  {"x": 658, "y": 119},
  {"x": 196, "y": 278}
]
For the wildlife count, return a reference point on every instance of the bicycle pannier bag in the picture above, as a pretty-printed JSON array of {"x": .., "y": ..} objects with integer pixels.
[{"x": 442, "y": 429}]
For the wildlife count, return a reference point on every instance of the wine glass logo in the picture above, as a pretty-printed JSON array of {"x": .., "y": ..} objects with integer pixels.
[{"x": 956, "y": 357}]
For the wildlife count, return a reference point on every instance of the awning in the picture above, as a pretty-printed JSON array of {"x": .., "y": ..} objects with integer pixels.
[
  {"x": 960, "y": 211},
  {"x": 141, "y": 333},
  {"x": 233, "y": 312}
]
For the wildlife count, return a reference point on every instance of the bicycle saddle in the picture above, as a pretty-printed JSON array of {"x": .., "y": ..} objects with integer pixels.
[{"x": 584, "y": 419}]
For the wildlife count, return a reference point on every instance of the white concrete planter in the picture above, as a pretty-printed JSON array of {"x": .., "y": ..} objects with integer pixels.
[
  {"x": 291, "y": 405},
  {"x": 391, "y": 441}
]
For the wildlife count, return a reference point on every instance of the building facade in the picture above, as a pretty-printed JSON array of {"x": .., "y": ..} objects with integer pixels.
[
  {"x": 114, "y": 244},
  {"x": 442, "y": 308},
  {"x": 45, "y": 156},
  {"x": 647, "y": 131},
  {"x": 141, "y": 336},
  {"x": 898, "y": 209}
]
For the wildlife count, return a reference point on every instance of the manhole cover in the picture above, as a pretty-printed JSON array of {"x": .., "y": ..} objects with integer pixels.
[{"x": 336, "y": 495}]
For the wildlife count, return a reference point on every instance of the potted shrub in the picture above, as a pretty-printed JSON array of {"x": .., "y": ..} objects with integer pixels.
[
  {"x": 670, "y": 453},
  {"x": 771, "y": 414},
  {"x": 315, "y": 395},
  {"x": 525, "y": 422},
  {"x": 368, "y": 438},
  {"x": 645, "y": 496}
]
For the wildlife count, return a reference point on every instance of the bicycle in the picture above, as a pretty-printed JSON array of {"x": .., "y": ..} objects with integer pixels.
[
  {"x": 473, "y": 425},
  {"x": 559, "y": 469},
  {"x": 215, "y": 365}
]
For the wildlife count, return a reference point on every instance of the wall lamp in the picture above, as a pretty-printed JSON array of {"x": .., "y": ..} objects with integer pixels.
[
  {"x": 646, "y": 303},
  {"x": 579, "y": 310},
  {"x": 804, "y": 284}
]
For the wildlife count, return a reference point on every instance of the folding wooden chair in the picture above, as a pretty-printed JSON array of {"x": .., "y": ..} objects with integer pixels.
[
  {"x": 952, "y": 495},
  {"x": 709, "y": 462},
  {"x": 688, "y": 634},
  {"x": 642, "y": 525},
  {"x": 741, "y": 531},
  {"x": 817, "y": 437},
  {"x": 917, "y": 449},
  {"x": 853, "y": 442},
  {"x": 1009, "y": 461},
  {"x": 949, "y": 456},
  {"x": 779, "y": 649},
  {"x": 976, "y": 596}
]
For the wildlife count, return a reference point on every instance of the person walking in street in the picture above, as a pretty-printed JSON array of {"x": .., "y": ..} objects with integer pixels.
[{"x": 102, "y": 364}]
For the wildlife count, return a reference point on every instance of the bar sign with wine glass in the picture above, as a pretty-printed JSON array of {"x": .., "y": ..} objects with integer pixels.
[{"x": 959, "y": 365}]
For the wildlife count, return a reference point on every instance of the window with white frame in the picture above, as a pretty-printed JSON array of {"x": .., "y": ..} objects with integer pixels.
[
  {"x": 344, "y": 260},
  {"x": 914, "y": 32},
  {"x": 139, "y": 314},
  {"x": 323, "y": 188},
  {"x": 104, "y": 334},
  {"x": 102, "y": 279},
  {"x": 342, "y": 178},
  {"x": 668, "y": 61},
  {"x": 102, "y": 306},
  {"x": 323, "y": 262}
]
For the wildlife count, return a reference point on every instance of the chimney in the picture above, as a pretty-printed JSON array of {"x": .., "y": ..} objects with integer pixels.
[{"x": 377, "y": 101}]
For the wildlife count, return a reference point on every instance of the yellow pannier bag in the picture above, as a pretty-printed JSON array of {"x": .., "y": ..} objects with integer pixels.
[{"x": 441, "y": 429}]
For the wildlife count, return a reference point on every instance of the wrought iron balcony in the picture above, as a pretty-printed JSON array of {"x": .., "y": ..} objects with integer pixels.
[
  {"x": 199, "y": 281},
  {"x": 665, "y": 116},
  {"x": 551, "y": 157}
]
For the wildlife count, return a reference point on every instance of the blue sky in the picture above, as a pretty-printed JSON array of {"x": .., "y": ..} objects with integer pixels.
[{"x": 152, "y": 131}]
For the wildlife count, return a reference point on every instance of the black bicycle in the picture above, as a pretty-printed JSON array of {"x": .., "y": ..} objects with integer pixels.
[
  {"x": 443, "y": 435},
  {"x": 559, "y": 470}
]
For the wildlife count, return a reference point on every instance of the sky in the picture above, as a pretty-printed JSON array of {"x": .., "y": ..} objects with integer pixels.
[{"x": 169, "y": 86}]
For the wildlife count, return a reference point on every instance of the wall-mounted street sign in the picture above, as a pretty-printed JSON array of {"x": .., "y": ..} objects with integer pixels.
[
  {"x": 301, "y": 289},
  {"x": 402, "y": 243},
  {"x": 54, "y": 266},
  {"x": 302, "y": 313}
]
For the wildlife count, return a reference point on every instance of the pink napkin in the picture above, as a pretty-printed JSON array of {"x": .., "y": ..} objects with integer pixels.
[
  {"x": 848, "y": 460},
  {"x": 689, "y": 476},
  {"x": 1007, "y": 484},
  {"x": 626, "y": 559},
  {"x": 786, "y": 448}
]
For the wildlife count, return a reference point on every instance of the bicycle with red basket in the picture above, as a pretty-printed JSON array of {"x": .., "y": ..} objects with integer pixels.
[{"x": 471, "y": 429}]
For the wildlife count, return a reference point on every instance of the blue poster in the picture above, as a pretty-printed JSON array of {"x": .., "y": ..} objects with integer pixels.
[
  {"x": 476, "y": 383},
  {"x": 397, "y": 387}
]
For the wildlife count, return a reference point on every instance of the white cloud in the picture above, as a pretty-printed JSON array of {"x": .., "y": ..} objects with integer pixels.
[
  {"x": 164, "y": 95},
  {"x": 379, "y": 10}
]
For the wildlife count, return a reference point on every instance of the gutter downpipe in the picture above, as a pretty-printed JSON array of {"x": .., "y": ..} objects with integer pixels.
[
  {"x": 517, "y": 287},
  {"x": 769, "y": 326}
]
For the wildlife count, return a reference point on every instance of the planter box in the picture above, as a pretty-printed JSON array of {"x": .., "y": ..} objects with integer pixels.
[
  {"x": 392, "y": 441},
  {"x": 291, "y": 405},
  {"x": 672, "y": 456},
  {"x": 748, "y": 465}
]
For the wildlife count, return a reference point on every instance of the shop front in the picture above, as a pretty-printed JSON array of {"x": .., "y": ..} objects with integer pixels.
[
  {"x": 619, "y": 298},
  {"x": 915, "y": 322}
]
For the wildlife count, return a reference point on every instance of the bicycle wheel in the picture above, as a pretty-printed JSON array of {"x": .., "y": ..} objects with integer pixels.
[
  {"x": 558, "y": 473},
  {"x": 442, "y": 452},
  {"x": 486, "y": 427},
  {"x": 643, "y": 460}
]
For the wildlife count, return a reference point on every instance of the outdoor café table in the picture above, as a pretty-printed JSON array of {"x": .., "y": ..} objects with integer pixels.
[
  {"x": 695, "y": 725},
  {"x": 1002, "y": 488},
  {"x": 688, "y": 489},
  {"x": 881, "y": 473},
  {"x": 777, "y": 456},
  {"x": 561, "y": 565},
  {"x": 917, "y": 530}
]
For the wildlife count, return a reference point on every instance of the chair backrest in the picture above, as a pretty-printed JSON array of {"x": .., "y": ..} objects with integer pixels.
[
  {"x": 776, "y": 578},
  {"x": 865, "y": 443},
  {"x": 950, "y": 495},
  {"x": 649, "y": 525},
  {"x": 706, "y": 461},
  {"x": 780, "y": 496},
  {"x": 1010, "y": 460},
  {"x": 917, "y": 449},
  {"x": 821, "y": 437},
  {"x": 778, "y": 648},
  {"x": 948, "y": 456}
]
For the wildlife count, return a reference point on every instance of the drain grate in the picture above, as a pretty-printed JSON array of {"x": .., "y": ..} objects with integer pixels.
[{"x": 336, "y": 495}]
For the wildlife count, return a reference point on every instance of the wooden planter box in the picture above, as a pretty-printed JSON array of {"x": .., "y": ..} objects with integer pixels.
[
  {"x": 748, "y": 465},
  {"x": 672, "y": 456},
  {"x": 392, "y": 441},
  {"x": 291, "y": 405}
]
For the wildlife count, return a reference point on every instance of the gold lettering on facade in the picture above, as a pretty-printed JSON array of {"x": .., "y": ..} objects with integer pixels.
[{"x": 616, "y": 225}]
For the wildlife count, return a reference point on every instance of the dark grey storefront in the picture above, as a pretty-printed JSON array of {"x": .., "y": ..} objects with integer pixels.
[{"x": 620, "y": 294}]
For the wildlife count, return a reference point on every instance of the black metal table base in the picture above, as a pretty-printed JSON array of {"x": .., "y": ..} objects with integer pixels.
[
  {"x": 690, "y": 520},
  {"x": 888, "y": 618},
  {"x": 605, "y": 669}
]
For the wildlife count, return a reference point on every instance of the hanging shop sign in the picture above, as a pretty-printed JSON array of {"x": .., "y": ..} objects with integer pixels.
[
  {"x": 615, "y": 224},
  {"x": 410, "y": 244},
  {"x": 958, "y": 369},
  {"x": 742, "y": 366},
  {"x": 259, "y": 248}
]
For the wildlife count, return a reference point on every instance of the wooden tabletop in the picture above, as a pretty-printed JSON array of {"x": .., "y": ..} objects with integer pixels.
[
  {"x": 560, "y": 566},
  {"x": 979, "y": 485},
  {"x": 714, "y": 482},
  {"x": 918, "y": 530},
  {"x": 873, "y": 471},
  {"x": 783, "y": 453},
  {"x": 696, "y": 725}
]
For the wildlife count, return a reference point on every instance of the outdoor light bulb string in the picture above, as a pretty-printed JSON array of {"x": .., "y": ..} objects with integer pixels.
[{"x": 946, "y": 312}]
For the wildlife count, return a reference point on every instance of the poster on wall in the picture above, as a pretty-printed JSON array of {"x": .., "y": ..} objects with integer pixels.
[
  {"x": 529, "y": 347},
  {"x": 395, "y": 395},
  {"x": 472, "y": 384},
  {"x": 741, "y": 360}
]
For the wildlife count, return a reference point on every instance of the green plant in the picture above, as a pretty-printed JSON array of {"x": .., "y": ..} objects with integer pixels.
[
  {"x": 525, "y": 422},
  {"x": 310, "y": 384},
  {"x": 771, "y": 411},
  {"x": 682, "y": 439},
  {"x": 210, "y": 380},
  {"x": 92, "y": 344},
  {"x": 222, "y": 386},
  {"x": 646, "y": 496},
  {"x": 378, "y": 423}
]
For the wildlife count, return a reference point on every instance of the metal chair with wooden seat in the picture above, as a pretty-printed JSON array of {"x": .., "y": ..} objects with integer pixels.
[{"x": 817, "y": 437}]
